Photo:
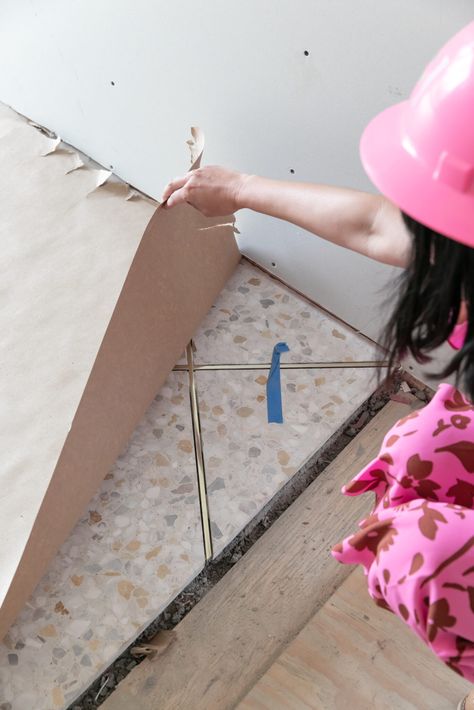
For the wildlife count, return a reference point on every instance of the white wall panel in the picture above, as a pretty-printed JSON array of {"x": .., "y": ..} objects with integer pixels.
[{"x": 238, "y": 70}]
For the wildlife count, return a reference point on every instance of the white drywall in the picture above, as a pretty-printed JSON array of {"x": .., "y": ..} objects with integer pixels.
[{"x": 123, "y": 80}]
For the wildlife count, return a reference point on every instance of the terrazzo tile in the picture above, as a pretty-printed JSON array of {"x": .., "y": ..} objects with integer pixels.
[
  {"x": 254, "y": 311},
  {"x": 119, "y": 569},
  {"x": 137, "y": 546},
  {"x": 248, "y": 460}
]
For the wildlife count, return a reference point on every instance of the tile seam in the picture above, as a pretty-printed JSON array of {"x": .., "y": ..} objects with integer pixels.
[
  {"x": 199, "y": 455},
  {"x": 330, "y": 365}
]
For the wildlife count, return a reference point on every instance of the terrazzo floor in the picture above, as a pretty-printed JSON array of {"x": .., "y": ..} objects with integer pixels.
[
  {"x": 248, "y": 460},
  {"x": 140, "y": 541},
  {"x": 255, "y": 311}
]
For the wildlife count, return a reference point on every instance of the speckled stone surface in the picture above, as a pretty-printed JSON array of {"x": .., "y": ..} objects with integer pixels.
[
  {"x": 140, "y": 541},
  {"x": 247, "y": 459},
  {"x": 137, "y": 546},
  {"x": 254, "y": 312}
]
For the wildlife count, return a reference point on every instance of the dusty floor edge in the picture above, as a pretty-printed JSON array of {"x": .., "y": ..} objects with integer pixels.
[{"x": 170, "y": 617}]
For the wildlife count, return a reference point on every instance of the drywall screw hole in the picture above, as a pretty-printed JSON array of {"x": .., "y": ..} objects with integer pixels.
[
  {"x": 292, "y": 171},
  {"x": 111, "y": 167},
  {"x": 273, "y": 263},
  {"x": 306, "y": 53},
  {"x": 113, "y": 83}
]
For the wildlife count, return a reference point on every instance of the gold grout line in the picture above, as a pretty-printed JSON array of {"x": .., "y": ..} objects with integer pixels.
[
  {"x": 198, "y": 449},
  {"x": 286, "y": 366},
  {"x": 191, "y": 368}
]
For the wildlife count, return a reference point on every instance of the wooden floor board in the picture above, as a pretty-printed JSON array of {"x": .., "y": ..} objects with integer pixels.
[
  {"x": 354, "y": 654},
  {"x": 227, "y": 642}
]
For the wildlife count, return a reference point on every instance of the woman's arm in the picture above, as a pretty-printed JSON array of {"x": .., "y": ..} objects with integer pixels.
[{"x": 366, "y": 223}]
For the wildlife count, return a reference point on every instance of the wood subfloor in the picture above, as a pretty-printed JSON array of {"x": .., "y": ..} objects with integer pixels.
[
  {"x": 238, "y": 644},
  {"x": 354, "y": 654}
]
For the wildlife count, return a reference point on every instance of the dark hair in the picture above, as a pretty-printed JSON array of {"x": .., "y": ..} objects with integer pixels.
[{"x": 430, "y": 292}]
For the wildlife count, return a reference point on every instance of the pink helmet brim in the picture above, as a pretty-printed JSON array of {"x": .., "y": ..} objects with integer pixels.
[{"x": 399, "y": 174}]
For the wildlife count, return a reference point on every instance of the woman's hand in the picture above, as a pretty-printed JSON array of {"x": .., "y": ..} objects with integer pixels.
[
  {"x": 212, "y": 190},
  {"x": 366, "y": 223}
]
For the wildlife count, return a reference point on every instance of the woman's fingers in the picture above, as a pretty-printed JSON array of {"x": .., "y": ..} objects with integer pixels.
[
  {"x": 212, "y": 190},
  {"x": 174, "y": 185},
  {"x": 177, "y": 197}
]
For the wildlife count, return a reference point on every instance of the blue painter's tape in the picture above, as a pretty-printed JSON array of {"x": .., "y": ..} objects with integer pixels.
[{"x": 274, "y": 410}]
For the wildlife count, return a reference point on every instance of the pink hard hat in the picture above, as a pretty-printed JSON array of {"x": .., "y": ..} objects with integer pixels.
[{"x": 420, "y": 153}]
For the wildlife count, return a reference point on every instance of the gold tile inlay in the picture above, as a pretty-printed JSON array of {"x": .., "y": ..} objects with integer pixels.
[
  {"x": 191, "y": 368},
  {"x": 198, "y": 449},
  {"x": 346, "y": 364}
]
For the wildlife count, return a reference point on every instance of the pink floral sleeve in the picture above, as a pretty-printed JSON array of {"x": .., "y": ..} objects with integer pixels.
[{"x": 417, "y": 547}]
